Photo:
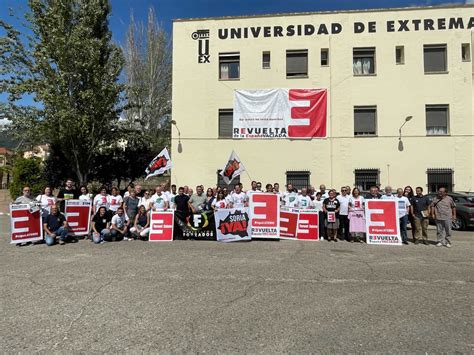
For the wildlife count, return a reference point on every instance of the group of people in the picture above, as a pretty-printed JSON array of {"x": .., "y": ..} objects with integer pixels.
[{"x": 126, "y": 215}]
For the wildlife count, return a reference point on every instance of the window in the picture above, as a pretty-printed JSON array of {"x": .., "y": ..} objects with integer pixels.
[
  {"x": 365, "y": 121},
  {"x": 324, "y": 57},
  {"x": 400, "y": 55},
  {"x": 299, "y": 179},
  {"x": 440, "y": 178},
  {"x": 363, "y": 61},
  {"x": 297, "y": 63},
  {"x": 366, "y": 178},
  {"x": 229, "y": 66},
  {"x": 435, "y": 58},
  {"x": 466, "y": 52},
  {"x": 266, "y": 60},
  {"x": 225, "y": 123},
  {"x": 222, "y": 184},
  {"x": 437, "y": 118}
]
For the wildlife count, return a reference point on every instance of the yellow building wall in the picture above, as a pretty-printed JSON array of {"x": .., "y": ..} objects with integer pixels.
[{"x": 398, "y": 91}]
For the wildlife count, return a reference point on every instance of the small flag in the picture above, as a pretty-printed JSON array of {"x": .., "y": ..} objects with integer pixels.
[
  {"x": 159, "y": 164},
  {"x": 232, "y": 169}
]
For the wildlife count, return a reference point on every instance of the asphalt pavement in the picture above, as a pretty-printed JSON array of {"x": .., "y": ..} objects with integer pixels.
[{"x": 256, "y": 297}]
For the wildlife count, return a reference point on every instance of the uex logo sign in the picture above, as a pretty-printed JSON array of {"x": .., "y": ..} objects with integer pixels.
[{"x": 202, "y": 36}]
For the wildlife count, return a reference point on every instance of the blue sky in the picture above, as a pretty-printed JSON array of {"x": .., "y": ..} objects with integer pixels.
[{"x": 167, "y": 10}]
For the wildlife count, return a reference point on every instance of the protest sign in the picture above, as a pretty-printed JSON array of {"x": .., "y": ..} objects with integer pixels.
[
  {"x": 25, "y": 225},
  {"x": 265, "y": 215},
  {"x": 382, "y": 224},
  {"x": 232, "y": 225},
  {"x": 161, "y": 226},
  {"x": 78, "y": 216}
]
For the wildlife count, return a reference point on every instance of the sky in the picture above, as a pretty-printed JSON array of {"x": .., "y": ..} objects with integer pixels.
[{"x": 167, "y": 10}]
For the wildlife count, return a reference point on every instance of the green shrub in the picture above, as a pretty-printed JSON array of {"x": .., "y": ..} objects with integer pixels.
[{"x": 27, "y": 172}]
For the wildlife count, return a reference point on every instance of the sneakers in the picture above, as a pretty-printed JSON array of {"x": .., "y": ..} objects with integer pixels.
[
  {"x": 440, "y": 244},
  {"x": 61, "y": 242},
  {"x": 448, "y": 245}
]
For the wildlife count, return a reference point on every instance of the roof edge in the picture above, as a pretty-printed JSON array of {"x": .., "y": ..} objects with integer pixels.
[{"x": 193, "y": 19}]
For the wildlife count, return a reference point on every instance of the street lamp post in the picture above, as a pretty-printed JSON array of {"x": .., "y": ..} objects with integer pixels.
[
  {"x": 180, "y": 146},
  {"x": 400, "y": 142}
]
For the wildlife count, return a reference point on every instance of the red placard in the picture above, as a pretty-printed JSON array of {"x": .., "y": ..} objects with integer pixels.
[
  {"x": 382, "y": 223},
  {"x": 78, "y": 216},
  {"x": 308, "y": 226},
  {"x": 331, "y": 217},
  {"x": 288, "y": 224},
  {"x": 161, "y": 226},
  {"x": 25, "y": 226},
  {"x": 264, "y": 213}
]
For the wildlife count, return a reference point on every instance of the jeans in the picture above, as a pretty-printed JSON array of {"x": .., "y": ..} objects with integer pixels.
[
  {"x": 99, "y": 237},
  {"x": 443, "y": 231},
  {"x": 61, "y": 232},
  {"x": 116, "y": 235},
  {"x": 403, "y": 228}
]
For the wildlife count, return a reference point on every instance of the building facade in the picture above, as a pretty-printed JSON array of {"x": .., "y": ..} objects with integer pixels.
[{"x": 382, "y": 70}]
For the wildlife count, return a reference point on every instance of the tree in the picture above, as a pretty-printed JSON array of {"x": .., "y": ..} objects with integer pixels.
[
  {"x": 148, "y": 80},
  {"x": 71, "y": 68},
  {"x": 27, "y": 172}
]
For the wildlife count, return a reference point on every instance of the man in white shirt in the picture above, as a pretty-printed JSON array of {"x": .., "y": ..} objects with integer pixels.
[
  {"x": 120, "y": 224},
  {"x": 170, "y": 195},
  {"x": 343, "y": 199},
  {"x": 289, "y": 197},
  {"x": 238, "y": 198},
  {"x": 253, "y": 189},
  {"x": 388, "y": 195},
  {"x": 159, "y": 201},
  {"x": 303, "y": 201},
  {"x": 403, "y": 212}
]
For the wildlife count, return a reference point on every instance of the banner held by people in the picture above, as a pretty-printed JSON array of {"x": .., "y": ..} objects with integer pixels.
[
  {"x": 26, "y": 224},
  {"x": 160, "y": 164},
  {"x": 382, "y": 223},
  {"x": 232, "y": 225},
  {"x": 78, "y": 214},
  {"x": 232, "y": 168}
]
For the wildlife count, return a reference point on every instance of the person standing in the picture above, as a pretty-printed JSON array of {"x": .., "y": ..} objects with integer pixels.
[
  {"x": 55, "y": 225},
  {"x": 46, "y": 200},
  {"x": 318, "y": 206},
  {"x": 374, "y": 193},
  {"x": 159, "y": 201},
  {"x": 25, "y": 198},
  {"x": 443, "y": 211},
  {"x": 85, "y": 195},
  {"x": 130, "y": 204},
  {"x": 69, "y": 192},
  {"x": 101, "y": 200},
  {"x": 115, "y": 200},
  {"x": 331, "y": 208},
  {"x": 403, "y": 211},
  {"x": 408, "y": 193},
  {"x": 324, "y": 193},
  {"x": 289, "y": 198},
  {"x": 303, "y": 201},
  {"x": 388, "y": 195},
  {"x": 145, "y": 200},
  {"x": 356, "y": 216},
  {"x": 198, "y": 201},
  {"x": 238, "y": 198},
  {"x": 209, "y": 199},
  {"x": 343, "y": 199},
  {"x": 420, "y": 213}
]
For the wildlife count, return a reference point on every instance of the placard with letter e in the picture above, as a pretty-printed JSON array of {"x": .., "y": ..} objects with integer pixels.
[
  {"x": 161, "y": 226},
  {"x": 78, "y": 216},
  {"x": 308, "y": 225},
  {"x": 264, "y": 215},
  {"x": 25, "y": 225},
  {"x": 288, "y": 224},
  {"x": 382, "y": 224}
]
